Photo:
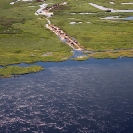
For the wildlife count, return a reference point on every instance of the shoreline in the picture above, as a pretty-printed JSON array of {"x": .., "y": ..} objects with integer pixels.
[
  {"x": 60, "y": 52},
  {"x": 47, "y": 65},
  {"x": 64, "y": 37}
]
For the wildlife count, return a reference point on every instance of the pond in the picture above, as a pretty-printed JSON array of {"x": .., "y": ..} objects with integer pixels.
[
  {"x": 93, "y": 96},
  {"x": 118, "y": 18}
]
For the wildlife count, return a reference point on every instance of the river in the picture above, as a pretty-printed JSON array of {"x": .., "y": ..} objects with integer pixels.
[{"x": 93, "y": 96}]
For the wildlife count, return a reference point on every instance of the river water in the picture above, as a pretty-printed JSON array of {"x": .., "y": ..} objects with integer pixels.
[{"x": 93, "y": 96}]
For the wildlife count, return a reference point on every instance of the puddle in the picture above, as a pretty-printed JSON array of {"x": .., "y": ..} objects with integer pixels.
[
  {"x": 129, "y": 18},
  {"x": 111, "y": 17},
  {"x": 118, "y": 18},
  {"x": 111, "y": 2},
  {"x": 12, "y": 3},
  {"x": 129, "y": 3},
  {"x": 72, "y": 23},
  {"x": 82, "y": 13},
  {"x": 75, "y": 23},
  {"x": 78, "y": 23},
  {"x": 62, "y": 39},
  {"x": 121, "y": 10},
  {"x": 78, "y": 54}
]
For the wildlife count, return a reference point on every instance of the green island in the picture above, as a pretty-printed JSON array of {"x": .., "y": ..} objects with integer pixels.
[
  {"x": 24, "y": 38},
  {"x": 16, "y": 70}
]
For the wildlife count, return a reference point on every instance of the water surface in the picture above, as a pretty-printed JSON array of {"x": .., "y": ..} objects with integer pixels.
[{"x": 93, "y": 96}]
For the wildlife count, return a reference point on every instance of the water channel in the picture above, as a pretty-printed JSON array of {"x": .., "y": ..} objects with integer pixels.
[{"x": 93, "y": 96}]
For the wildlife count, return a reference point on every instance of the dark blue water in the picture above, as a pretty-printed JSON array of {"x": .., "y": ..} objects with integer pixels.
[{"x": 93, "y": 96}]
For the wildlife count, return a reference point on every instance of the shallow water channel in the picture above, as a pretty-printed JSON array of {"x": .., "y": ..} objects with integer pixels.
[
  {"x": 93, "y": 96},
  {"x": 118, "y": 18}
]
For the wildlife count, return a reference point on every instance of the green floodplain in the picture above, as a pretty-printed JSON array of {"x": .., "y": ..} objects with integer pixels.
[{"x": 24, "y": 37}]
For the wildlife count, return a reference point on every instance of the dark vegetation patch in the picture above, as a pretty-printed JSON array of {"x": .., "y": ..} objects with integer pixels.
[
  {"x": 61, "y": 8},
  {"x": 6, "y": 25}
]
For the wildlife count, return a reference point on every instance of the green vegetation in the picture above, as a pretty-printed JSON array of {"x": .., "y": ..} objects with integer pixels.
[
  {"x": 16, "y": 70},
  {"x": 24, "y": 37},
  {"x": 98, "y": 34},
  {"x": 112, "y": 54},
  {"x": 94, "y": 33}
]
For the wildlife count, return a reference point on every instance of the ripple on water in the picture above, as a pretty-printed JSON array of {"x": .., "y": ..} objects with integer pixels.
[{"x": 72, "y": 98}]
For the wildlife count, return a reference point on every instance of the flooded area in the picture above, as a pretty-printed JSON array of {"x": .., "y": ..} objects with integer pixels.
[
  {"x": 78, "y": 54},
  {"x": 118, "y": 18},
  {"x": 108, "y": 9},
  {"x": 93, "y": 96}
]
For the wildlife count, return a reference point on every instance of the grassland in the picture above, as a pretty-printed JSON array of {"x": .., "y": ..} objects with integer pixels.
[
  {"x": 24, "y": 38},
  {"x": 16, "y": 70}
]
